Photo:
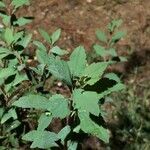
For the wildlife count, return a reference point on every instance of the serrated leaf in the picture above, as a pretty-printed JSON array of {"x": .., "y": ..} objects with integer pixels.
[
  {"x": 117, "y": 36},
  {"x": 58, "y": 106},
  {"x": 55, "y": 36},
  {"x": 45, "y": 35},
  {"x": 101, "y": 36},
  {"x": 32, "y": 101},
  {"x": 22, "y": 21},
  {"x": 60, "y": 70},
  {"x": 90, "y": 127},
  {"x": 19, "y": 3},
  {"x": 41, "y": 139},
  {"x": 58, "y": 51},
  {"x": 94, "y": 72},
  {"x": 86, "y": 101},
  {"x": 8, "y": 36},
  {"x": 77, "y": 61},
  {"x": 44, "y": 121}
]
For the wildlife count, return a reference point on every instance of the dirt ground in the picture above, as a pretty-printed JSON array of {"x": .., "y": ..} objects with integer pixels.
[{"x": 79, "y": 20}]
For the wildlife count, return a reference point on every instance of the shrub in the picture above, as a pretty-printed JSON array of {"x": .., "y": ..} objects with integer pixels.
[{"x": 22, "y": 93}]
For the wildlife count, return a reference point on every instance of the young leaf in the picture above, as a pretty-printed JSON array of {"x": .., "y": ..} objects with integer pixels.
[
  {"x": 77, "y": 61},
  {"x": 95, "y": 71},
  {"x": 8, "y": 36},
  {"x": 25, "y": 40},
  {"x": 22, "y": 21},
  {"x": 41, "y": 139},
  {"x": 45, "y": 35},
  {"x": 10, "y": 114},
  {"x": 39, "y": 45},
  {"x": 86, "y": 101},
  {"x": 63, "y": 133},
  {"x": 112, "y": 76},
  {"x": 114, "y": 24},
  {"x": 100, "y": 50},
  {"x": 19, "y": 3},
  {"x": 101, "y": 36},
  {"x": 56, "y": 50},
  {"x": 55, "y": 36},
  {"x": 44, "y": 121},
  {"x": 118, "y": 36},
  {"x": 88, "y": 126},
  {"x": 115, "y": 88}
]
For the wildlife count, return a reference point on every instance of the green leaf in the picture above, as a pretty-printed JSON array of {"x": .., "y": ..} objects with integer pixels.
[
  {"x": 95, "y": 71},
  {"x": 6, "y": 72},
  {"x": 45, "y": 35},
  {"x": 114, "y": 24},
  {"x": 18, "y": 36},
  {"x": 8, "y": 36},
  {"x": 58, "y": 106},
  {"x": 55, "y": 36},
  {"x": 2, "y": 4},
  {"x": 88, "y": 126},
  {"x": 13, "y": 126},
  {"x": 19, "y": 78},
  {"x": 10, "y": 114},
  {"x": 100, "y": 50},
  {"x": 60, "y": 70},
  {"x": 22, "y": 21},
  {"x": 63, "y": 133},
  {"x": 101, "y": 36},
  {"x": 39, "y": 45},
  {"x": 56, "y": 50},
  {"x": 118, "y": 36},
  {"x": 41, "y": 139},
  {"x": 32, "y": 101},
  {"x": 112, "y": 76},
  {"x": 42, "y": 56},
  {"x": 25, "y": 40},
  {"x": 77, "y": 61},
  {"x": 72, "y": 145},
  {"x": 19, "y": 3},
  {"x": 115, "y": 88},
  {"x": 112, "y": 52},
  {"x": 86, "y": 101},
  {"x": 44, "y": 121},
  {"x": 5, "y": 19}
]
